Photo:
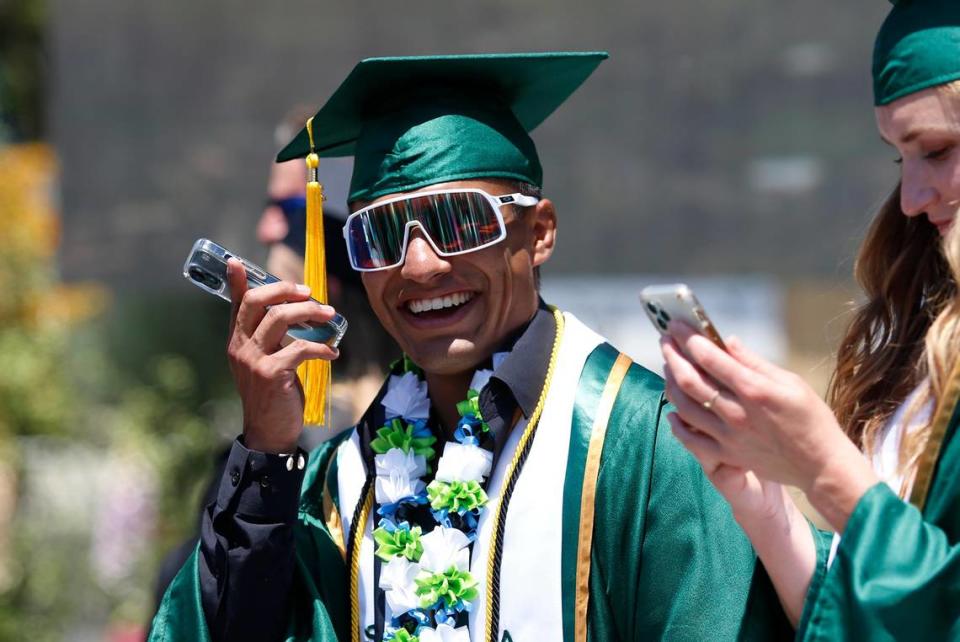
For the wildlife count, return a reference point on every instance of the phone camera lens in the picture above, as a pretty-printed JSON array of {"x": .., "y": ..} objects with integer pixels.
[
  {"x": 661, "y": 323},
  {"x": 652, "y": 308},
  {"x": 205, "y": 278},
  {"x": 665, "y": 316}
]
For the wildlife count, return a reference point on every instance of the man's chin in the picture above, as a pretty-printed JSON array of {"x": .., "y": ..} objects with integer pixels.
[{"x": 449, "y": 357}]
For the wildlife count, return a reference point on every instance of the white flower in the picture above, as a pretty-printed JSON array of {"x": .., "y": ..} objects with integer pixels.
[
  {"x": 444, "y": 633},
  {"x": 397, "y": 461},
  {"x": 402, "y": 596},
  {"x": 396, "y": 486},
  {"x": 444, "y": 547},
  {"x": 398, "y": 573},
  {"x": 401, "y": 600},
  {"x": 480, "y": 379},
  {"x": 406, "y": 397},
  {"x": 464, "y": 462}
]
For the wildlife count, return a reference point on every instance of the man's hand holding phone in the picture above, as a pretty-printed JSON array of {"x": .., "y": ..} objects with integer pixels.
[{"x": 265, "y": 371}]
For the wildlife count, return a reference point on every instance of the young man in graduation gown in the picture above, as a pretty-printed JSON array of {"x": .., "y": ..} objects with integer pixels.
[{"x": 515, "y": 478}]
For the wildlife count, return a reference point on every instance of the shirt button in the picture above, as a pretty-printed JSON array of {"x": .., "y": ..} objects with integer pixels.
[
  {"x": 235, "y": 477},
  {"x": 265, "y": 482}
]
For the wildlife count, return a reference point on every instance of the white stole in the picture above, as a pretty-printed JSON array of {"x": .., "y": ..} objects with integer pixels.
[{"x": 530, "y": 586}]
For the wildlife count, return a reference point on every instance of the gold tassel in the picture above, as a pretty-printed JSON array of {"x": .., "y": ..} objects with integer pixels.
[{"x": 315, "y": 375}]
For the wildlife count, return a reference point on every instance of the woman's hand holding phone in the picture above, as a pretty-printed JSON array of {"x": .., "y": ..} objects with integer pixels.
[
  {"x": 736, "y": 408},
  {"x": 265, "y": 371},
  {"x": 711, "y": 421}
]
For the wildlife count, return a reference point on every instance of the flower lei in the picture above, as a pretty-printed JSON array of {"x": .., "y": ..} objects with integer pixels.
[{"x": 425, "y": 576}]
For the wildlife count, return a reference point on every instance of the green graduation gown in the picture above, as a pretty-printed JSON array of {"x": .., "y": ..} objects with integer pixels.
[
  {"x": 896, "y": 575},
  {"x": 612, "y": 532}
]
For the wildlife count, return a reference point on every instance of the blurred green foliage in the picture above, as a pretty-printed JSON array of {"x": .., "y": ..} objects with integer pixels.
[
  {"x": 106, "y": 414},
  {"x": 106, "y": 441}
]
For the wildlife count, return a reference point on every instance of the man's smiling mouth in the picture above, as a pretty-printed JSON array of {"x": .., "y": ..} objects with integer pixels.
[{"x": 455, "y": 300}]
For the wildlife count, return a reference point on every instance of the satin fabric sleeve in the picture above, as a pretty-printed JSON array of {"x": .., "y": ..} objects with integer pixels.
[
  {"x": 895, "y": 576},
  {"x": 670, "y": 561}
]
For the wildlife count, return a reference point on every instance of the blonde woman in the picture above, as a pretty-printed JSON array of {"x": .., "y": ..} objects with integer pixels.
[{"x": 881, "y": 463}]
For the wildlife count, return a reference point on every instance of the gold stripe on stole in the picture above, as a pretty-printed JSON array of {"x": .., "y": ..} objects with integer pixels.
[
  {"x": 588, "y": 496},
  {"x": 927, "y": 462}
]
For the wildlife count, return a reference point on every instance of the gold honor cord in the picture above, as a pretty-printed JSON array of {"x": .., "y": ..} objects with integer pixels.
[
  {"x": 315, "y": 373},
  {"x": 358, "y": 527},
  {"x": 927, "y": 463},
  {"x": 500, "y": 517}
]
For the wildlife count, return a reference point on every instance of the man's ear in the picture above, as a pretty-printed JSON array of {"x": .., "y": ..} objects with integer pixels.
[{"x": 543, "y": 224}]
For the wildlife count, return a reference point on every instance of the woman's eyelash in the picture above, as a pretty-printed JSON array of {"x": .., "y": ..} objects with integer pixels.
[{"x": 934, "y": 155}]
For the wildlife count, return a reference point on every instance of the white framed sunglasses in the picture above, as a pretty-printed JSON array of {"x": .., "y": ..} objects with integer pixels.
[{"x": 454, "y": 221}]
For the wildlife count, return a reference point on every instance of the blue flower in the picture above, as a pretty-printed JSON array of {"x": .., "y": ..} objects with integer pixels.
[
  {"x": 465, "y": 521},
  {"x": 389, "y": 511}
]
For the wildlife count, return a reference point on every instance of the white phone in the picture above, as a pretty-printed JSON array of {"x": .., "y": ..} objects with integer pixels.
[{"x": 664, "y": 303}]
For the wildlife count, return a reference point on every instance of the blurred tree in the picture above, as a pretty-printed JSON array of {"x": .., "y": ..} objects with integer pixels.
[
  {"x": 35, "y": 311},
  {"x": 105, "y": 440},
  {"x": 36, "y": 315}
]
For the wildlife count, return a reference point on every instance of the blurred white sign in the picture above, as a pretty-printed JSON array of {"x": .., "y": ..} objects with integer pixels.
[{"x": 750, "y": 307}]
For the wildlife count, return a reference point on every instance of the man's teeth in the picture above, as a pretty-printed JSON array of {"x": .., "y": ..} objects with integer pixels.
[{"x": 438, "y": 303}]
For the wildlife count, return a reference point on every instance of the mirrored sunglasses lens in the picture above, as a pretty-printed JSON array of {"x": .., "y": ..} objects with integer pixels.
[
  {"x": 455, "y": 221},
  {"x": 459, "y": 221},
  {"x": 376, "y": 236}
]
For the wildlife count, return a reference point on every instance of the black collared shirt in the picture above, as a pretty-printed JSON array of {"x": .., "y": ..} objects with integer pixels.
[{"x": 246, "y": 542}]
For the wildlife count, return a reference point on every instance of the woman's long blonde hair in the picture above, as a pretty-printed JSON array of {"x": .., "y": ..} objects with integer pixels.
[{"x": 907, "y": 332}]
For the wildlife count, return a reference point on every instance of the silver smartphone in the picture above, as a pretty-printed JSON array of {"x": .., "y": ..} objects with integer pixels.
[
  {"x": 664, "y": 303},
  {"x": 206, "y": 268}
]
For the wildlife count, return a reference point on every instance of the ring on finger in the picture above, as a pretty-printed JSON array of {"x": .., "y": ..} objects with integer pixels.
[{"x": 708, "y": 404}]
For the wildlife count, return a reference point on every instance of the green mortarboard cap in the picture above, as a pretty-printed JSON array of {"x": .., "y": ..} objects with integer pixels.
[
  {"x": 414, "y": 121},
  {"x": 918, "y": 47}
]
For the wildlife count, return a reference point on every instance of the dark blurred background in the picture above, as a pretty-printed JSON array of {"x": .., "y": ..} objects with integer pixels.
[
  {"x": 729, "y": 139},
  {"x": 738, "y": 130}
]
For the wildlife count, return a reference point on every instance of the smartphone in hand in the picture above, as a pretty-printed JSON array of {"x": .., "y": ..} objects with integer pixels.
[
  {"x": 206, "y": 267},
  {"x": 665, "y": 303}
]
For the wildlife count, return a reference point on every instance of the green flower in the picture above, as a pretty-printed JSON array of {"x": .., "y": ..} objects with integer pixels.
[
  {"x": 403, "y": 635},
  {"x": 402, "y": 541},
  {"x": 470, "y": 407},
  {"x": 452, "y": 586},
  {"x": 405, "y": 364},
  {"x": 456, "y": 497},
  {"x": 398, "y": 434}
]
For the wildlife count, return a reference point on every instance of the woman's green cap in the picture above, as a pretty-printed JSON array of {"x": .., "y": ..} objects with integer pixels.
[
  {"x": 415, "y": 121},
  {"x": 918, "y": 47}
]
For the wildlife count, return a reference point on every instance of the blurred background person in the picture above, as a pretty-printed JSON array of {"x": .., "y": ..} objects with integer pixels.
[
  {"x": 881, "y": 464},
  {"x": 283, "y": 224}
]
